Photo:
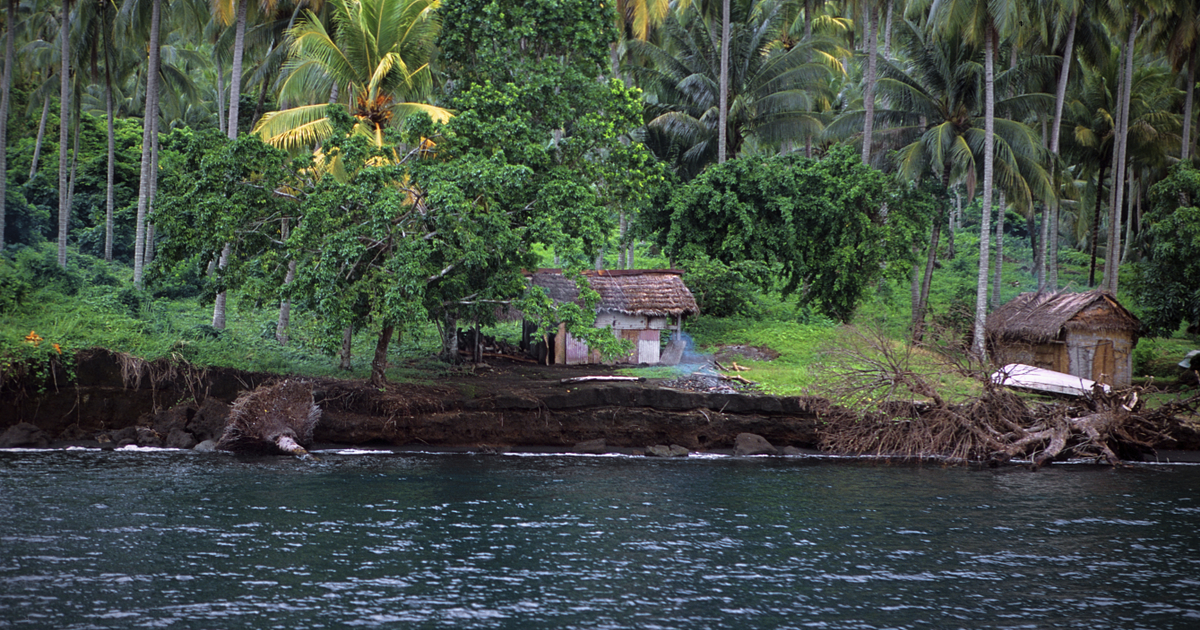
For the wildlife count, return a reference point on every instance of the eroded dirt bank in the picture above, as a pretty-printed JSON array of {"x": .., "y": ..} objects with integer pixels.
[{"x": 114, "y": 399}]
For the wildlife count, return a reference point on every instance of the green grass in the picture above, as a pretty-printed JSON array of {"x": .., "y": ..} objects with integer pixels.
[{"x": 94, "y": 305}]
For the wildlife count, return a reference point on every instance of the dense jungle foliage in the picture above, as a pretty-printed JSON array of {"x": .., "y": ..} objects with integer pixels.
[{"x": 363, "y": 178}]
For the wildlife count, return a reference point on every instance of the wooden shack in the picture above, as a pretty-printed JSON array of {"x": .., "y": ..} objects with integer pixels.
[
  {"x": 1089, "y": 335},
  {"x": 638, "y": 303}
]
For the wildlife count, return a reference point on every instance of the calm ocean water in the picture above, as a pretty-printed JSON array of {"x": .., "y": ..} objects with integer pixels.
[{"x": 93, "y": 539}]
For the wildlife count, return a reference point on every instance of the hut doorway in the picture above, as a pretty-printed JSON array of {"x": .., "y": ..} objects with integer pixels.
[{"x": 1104, "y": 363}]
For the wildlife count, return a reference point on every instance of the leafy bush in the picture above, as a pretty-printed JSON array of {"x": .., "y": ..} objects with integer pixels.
[
  {"x": 13, "y": 286},
  {"x": 40, "y": 266},
  {"x": 725, "y": 290}
]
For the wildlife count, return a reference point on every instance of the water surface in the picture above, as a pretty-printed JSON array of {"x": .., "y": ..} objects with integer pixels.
[{"x": 93, "y": 539}]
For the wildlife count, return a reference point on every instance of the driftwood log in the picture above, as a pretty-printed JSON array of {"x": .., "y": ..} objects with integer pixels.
[{"x": 273, "y": 419}]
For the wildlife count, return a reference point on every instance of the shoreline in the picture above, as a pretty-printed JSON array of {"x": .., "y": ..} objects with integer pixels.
[{"x": 114, "y": 401}]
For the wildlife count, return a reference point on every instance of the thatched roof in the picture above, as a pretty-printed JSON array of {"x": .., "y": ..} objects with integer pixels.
[
  {"x": 1042, "y": 317},
  {"x": 651, "y": 292}
]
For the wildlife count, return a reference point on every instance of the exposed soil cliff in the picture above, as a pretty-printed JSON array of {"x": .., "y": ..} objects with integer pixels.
[{"x": 122, "y": 400}]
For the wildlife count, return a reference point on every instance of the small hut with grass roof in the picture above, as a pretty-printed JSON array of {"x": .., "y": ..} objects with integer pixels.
[
  {"x": 638, "y": 303},
  {"x": 1089, "y": 335}
]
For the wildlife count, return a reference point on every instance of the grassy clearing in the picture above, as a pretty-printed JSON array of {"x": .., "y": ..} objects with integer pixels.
[{"x": 93, "y": 304}]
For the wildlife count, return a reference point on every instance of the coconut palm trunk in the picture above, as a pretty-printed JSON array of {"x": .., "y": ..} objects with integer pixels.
[
  {"x": 723, "y": 113},
  {"x": 1050, "y": 222},
  {"x": 235, "y": 75},
  {"x": 869, "y": 37},
  {"x": 998, "y": 264},
  {"x": 231, "y": 129},
  {"x": 7, "y": 83},
  {"x": 978, "y": 345},
  {"x": 149, "y": 131},
  {"x": 109, "y": 203},
  {"x": 64, "y": 104},
  {"x": 1112, "y": 259},
  {"x": 1185, "y": 146},
  {"x": 41, "y": 134}
]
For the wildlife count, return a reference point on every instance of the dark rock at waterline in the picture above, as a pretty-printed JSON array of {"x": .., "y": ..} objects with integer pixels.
[
  {"x": 174, "y": 419},
  {"x": 660, "y": 450},
  {"x": 24, "y": 435},
  {"x": 591, "y": 447},
  {"x": 752, "y": 444},
  {"x": 122, "y": 437},
  {"x": 148, "y": 437},
  {"x": 180, "y": 439},
  {"x": 208, "y": 423}
]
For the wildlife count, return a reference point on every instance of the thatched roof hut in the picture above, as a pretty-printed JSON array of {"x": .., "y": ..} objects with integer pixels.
[
  {"x": 1089, "y": 335},
  {"x": 649, "y": 292},
  {"x": 637, "y": 303}
]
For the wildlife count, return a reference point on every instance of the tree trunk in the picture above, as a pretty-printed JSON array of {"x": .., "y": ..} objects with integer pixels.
[
  {"x": 11, "y": 16},
  {"x": 74, "y": 160},
  {"x": 723, "y": 113},
  {"x": 37, "y": 145},
  {"x": 950, "y": 250},
  {"x": 998, "y": 275},
  {"x": 235, "y": 75},
  {"x": 915, "y": 294},
  {"x": 149, "y": 131},
  {"x": 808, "y": 9},
  {"x": 1050, "y": 253},
  {"x": 450, "y": 339},
  {"x": 887, "y": 30},
  {"x": 869, "y": 36},
  {"x": 218, "y": 319},
  {"x": 379, "y": 361},
  {"x": 926, "y": 280},
  {"x": 1185, "y": 146},
  {"x": 978, "y": 346},
  {"x": 150, "y": 229},
  {"x": 347, "y": 344},
  {"x": 285, "y": 307},
  {"x": 1112, "y": 262},
  {"x": 1096, "y": 225},
  {"x": 1133, "y": 194},
  {"x": 621, "y": 229},
  {"x": 220, "y": 94},
  {"x": 109, "y": 203},
  {"x": 64, "y": 118}
]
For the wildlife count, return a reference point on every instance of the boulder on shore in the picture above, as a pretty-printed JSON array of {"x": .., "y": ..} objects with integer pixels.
[
  {"x": 752, "y": 444},
  {"x": 24, "y": 435}
]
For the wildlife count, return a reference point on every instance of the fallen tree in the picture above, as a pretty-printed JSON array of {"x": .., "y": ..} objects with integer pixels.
[
  {"x": 900, "y": 414},
  {"x": 273, "y": 419}
]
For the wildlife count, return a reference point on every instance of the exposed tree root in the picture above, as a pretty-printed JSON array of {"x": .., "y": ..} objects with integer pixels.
[
  {"x": 995, "y": 427},
  {"x": 275, "y": 419}
]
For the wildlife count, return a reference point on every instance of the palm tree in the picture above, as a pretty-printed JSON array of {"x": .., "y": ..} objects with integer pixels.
[
  {"x": 381, "y": 52},
  {"x": 770, "y": 89},
  {"x": 6, "y": 86},
  {"x": 933, "y": 124},
  {"x": 149, "y": 134},
  {"x": 64, "y": 107},
  {"x": 985, "y": 20}
]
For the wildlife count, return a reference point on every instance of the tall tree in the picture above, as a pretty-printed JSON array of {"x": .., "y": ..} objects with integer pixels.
[
  {"x": 982, "y": 20},
  {"x": 149, "y": 131},
  {"x": 11, "y": 20},
  {"x": 64, "y": 108},
  {"x": 772, "y": 91},
  {"x": 380, "y": 51},
  {"x": 723, "y": 114}
]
